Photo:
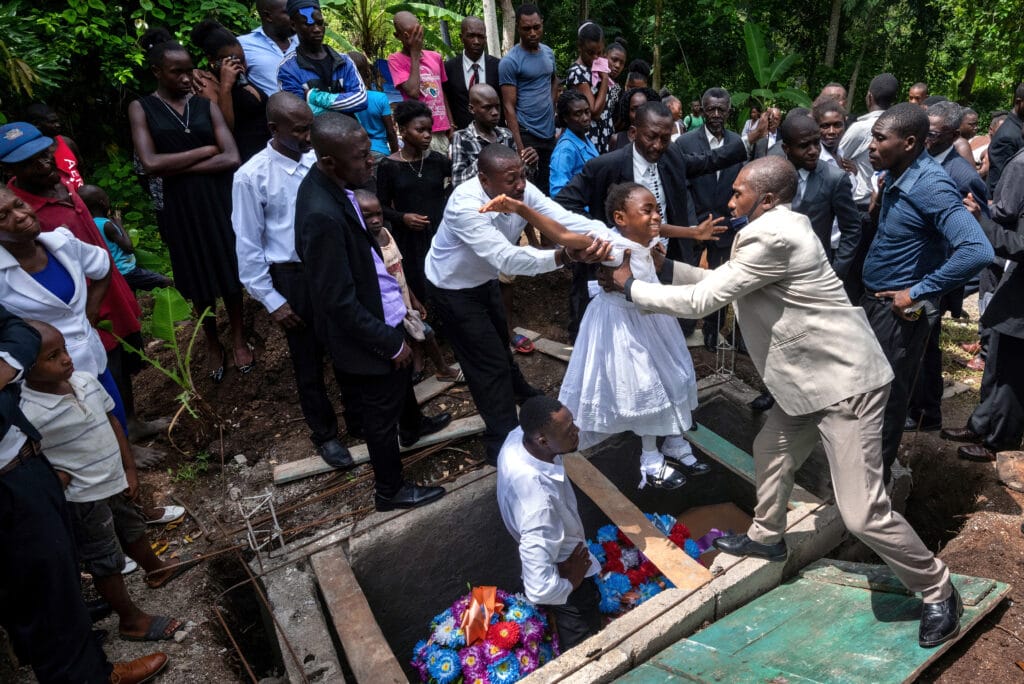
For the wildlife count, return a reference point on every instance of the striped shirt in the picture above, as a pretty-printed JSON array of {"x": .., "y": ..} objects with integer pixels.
[{"x": 78, "y": 438}]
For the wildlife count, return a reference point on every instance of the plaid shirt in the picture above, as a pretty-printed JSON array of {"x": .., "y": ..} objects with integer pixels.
[{"x": 466, "y": 147}]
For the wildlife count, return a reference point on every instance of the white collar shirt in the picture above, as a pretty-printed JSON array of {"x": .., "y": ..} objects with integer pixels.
[
  {"x": 538, "y": 507},
  {"x": 263, "y": 217},
  {"x": 467, "y": 68},
  {"x": 854, "y": 146}
]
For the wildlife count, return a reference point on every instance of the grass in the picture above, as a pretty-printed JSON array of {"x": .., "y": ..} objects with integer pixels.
[
  {"x": 188, "y": 473},
  {"x": 954, "y": 333}
]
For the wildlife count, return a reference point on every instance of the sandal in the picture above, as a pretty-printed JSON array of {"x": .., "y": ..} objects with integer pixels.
[
  {"x": 161, "y": 628},
  {"x": 183, "y": 566},
  {"x": 217, "y": 374},
  {"x": 247, "y": 368},
  {"x": 521, "y": 344},
  {"x": 459, "y": 378},
  {"x": 418, "y": 377}
]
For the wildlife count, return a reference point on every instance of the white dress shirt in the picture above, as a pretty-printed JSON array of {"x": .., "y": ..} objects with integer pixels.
[
  {"x": 263, "y": 216},
  {"x": 467, "y": 69},
  {"x": 854, "y": 146},
  {"x": 539, "y": 509},
  {"x": 470, "y": 248}
]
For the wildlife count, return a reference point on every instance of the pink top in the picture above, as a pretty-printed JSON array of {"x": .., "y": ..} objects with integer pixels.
[{"x": 431, "y": 77}]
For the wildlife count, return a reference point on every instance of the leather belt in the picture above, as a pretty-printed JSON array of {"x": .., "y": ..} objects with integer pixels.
[{"x": 29, "y": 450}]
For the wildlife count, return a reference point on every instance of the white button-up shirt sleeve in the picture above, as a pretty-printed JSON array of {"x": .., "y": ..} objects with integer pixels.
[
  {"x": 249, "y": 221},
  {"x": 541, "y": 538}
]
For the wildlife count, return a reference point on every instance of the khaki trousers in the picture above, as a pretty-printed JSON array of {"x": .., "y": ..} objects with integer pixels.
[{"x": 851, "y": 432}]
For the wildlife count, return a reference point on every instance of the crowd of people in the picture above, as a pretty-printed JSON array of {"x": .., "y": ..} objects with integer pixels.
[{"x": 360, "y": 223}]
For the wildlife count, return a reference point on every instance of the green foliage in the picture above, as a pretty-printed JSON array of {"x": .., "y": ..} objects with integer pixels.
[
  {"x": 768, "y": 73},
  {"x": 25, "y": 65},
  {"x": 188, "y": 473}
]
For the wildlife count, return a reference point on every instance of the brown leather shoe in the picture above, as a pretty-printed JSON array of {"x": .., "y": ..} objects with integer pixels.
[
  {"x": 139, "y": 670},
  {"x": 976, "y": 452},
  {"x": 960, "y": 435}
]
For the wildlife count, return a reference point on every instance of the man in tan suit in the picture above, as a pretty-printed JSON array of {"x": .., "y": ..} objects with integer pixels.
[{"x": 818, "y": 356}]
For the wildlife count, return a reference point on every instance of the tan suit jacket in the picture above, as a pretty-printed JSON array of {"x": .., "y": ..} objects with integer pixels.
[{"x": 811, "y": 346}]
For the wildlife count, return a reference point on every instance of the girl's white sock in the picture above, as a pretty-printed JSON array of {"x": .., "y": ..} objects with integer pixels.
[{"x": 678, "y": 448}]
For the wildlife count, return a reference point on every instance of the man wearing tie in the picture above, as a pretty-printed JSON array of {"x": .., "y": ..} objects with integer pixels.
[{"x": 466, "y": 70}]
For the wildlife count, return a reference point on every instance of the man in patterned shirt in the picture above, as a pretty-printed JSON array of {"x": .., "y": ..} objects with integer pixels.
[{"x": 483, "y": 130}]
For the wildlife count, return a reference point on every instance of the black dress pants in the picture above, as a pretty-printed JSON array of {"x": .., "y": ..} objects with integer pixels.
[
  {"x": 41, "y": 604},
  {"x": 999, "y": 418},
  {"x": 579, "y": 295},
  {"x": 926, "y": 400},
  {"x": 578, "y": 618},
  {"x": 308, "y": 355},
  {"x": 903, "y": 343},
  {"x": 382, "y": 402},
  {"x": 544, "y": 148},
  {"x": 473, "y": 320}
]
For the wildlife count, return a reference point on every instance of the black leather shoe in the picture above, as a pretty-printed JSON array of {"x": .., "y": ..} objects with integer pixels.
[
  {"x": 960, "y": 435},
  {"x": 428, "y": 426},
  {"x": 925, "y": 426},
  {"x": 695, "y": 470},
  {"x": 711, "y": 343},
  {"x": 98, "y": 609},
  {"x": 976, "y": 452},
  {"x": 763, "y": 402},
  {"x": 742, "y": 545},
  {"x": 409, "y": 496},
  {"x": 940, "y": 621},
  {"x": 335, "y": 455},
  {"x": 669, "y": 477}
]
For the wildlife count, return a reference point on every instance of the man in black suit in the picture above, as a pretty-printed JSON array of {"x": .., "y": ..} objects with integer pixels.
[
  {"x": 1007, "y": 140},
  {"x": 469, "y": 68},
  {"x": 358, "y": 306},
  {"x": 657, "y": 163},
  {"x": 711, "y": 193}
]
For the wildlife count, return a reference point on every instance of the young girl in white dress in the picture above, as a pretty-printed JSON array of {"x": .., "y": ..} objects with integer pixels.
[{"x": 630, "y": 370}]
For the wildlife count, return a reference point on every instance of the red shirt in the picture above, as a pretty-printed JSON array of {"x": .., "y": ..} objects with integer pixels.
[
  {"x": 119, "y": 305},
  {"x": 67, "y": 162}
]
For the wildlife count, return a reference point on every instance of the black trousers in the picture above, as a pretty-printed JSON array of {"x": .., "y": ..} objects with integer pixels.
[
  {"x": 579, "y": 295},
  {"x": 41, "y": 604},
  {"x": 474, "y": 322},
  {"x": 926, "y": 400},
  {"x": 308, "y": 356},
  {"x": 544, "y": 147},
  {"x": 383, "y": 402},
  {"x": 999, "y": 418},
  {"x": 578, "y": 618},
  {"x": 903, "y": 343}
]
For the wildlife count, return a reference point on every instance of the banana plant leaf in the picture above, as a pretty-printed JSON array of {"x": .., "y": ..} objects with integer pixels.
[
  {"x": 797, "y": 97},
  {"x": 169, "y": 309},
  {"x": 757, "y": 54}
]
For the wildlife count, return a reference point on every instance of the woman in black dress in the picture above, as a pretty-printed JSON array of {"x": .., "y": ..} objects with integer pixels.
[
  {"x": 182, "y": 139},
  {"x": 412, "y": 186},
  {"x": 227, "y": 84}
]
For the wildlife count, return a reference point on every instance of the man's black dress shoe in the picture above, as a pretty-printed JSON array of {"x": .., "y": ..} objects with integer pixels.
[
  {"x": 763, "y": 402},
  {"x": 409, "y": 496},
  {"x": 925, "y": 426},
  {"x": 742, "y": 545},
  {"x": 960, "y": 435},
  {"x": 940, "y": 621},
  {"x": 976, "y": 452},
  {"x": 711, "y": 343},
  {"x": 335, "y": 455},
  {"x": 428, "y": 426}
]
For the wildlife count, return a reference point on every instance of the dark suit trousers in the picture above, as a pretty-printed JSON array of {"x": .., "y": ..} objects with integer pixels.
[
  {"x": 579, "y": 295},
  {"x": 999, "y": 418},
  {"x": 926, "y": 400},
  {"x": 41, "y": 604},
  {"x": 308, "y": 355},
  {"x": 474, "y": 322},
  {"x": 903, "y": 343},
  {"x": 578, "y": 618},
  {"x": 544, "y": 147}
]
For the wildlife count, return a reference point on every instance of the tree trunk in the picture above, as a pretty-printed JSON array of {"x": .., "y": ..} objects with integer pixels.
[
  {"x": 508, "y": 25},
  {"x": 965, "y": 88},
  {"x": 491, "y": 24},
  {"x": 656, "y": 54},
  {"x": 833, "y": 33}
]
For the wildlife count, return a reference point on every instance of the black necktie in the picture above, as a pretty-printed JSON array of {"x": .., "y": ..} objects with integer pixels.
[{"x": 475, "y": 75}]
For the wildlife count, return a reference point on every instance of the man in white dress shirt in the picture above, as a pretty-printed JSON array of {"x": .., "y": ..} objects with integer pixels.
[
  {"x": 538, "y": 506},
  {"x": 462, "y": 266},
  {"x": 882, "y": 93},
  {"x": 263, "y": 216}
]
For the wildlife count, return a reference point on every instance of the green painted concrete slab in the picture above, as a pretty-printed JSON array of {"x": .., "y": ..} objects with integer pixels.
[{"x": 834, "y": 622}]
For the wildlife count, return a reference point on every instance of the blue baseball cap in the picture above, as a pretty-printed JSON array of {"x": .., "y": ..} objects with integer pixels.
[{"x": 20, "y": 141}]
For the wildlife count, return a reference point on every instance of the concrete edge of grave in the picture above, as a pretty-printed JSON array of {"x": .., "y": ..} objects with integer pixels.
[{"x": 675, "y": 614}]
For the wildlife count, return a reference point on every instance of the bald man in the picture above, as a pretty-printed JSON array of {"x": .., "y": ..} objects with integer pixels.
[
  {"x": 793, "y": 309},
  {"x": 267, "y": 46},
  {"x": 470, "y": 67},
  {"x": 419, "y": 74},
  {"x": 483, "y": 130}
]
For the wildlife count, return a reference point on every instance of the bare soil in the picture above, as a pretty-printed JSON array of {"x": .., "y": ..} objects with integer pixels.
[{"x": 959, "y": 507}]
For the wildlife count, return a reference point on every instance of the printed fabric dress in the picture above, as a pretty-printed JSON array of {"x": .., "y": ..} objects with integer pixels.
[
  {"x": 630, "y": 370},
  {"x": 602, "y": 126},
  {"x": 195, "y": 216}
]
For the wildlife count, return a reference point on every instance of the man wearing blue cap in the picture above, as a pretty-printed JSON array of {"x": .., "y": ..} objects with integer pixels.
[{"x": 322, "y": 77}]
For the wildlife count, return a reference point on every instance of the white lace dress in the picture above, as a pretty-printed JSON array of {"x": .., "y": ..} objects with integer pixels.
[{"x": 630, "y": 370}]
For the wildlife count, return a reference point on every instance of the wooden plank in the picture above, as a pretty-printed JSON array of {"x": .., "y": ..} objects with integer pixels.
[
  {"x": 526, "y": 332},
  {"x": 314, "y": 465},
  {"x": 368, "y": 653},
  {"x": 673, "y": 562},
  {"x": 973, "y": 590},
  {"x": 554, "y": 349},
  {"x": 707, "y": 666},
  {"x": 431, "y": 387}
]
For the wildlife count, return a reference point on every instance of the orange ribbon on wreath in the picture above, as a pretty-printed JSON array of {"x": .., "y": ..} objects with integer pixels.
[{"x": 477, "y": 618}]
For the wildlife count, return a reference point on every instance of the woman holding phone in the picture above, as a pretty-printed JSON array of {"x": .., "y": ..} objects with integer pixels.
[{"x": 589, "y": 74}]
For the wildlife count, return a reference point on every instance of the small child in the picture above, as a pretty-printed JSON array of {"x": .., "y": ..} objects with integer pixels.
[
  {"x": 121, "y": 248},
  {"x": 415, "y": 323},
  {"x": 631, "y": 370},
  {"x": 88, "y": 449}
]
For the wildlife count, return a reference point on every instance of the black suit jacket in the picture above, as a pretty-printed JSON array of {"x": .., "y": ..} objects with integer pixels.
[
  {"x": 828, "y": 196},
  {"x": 337, "y": 254},
  {"x": 966, "y": 178},
  {"x": 1005, "y": 313},
  {"x": 761, "y": 148},
  {"x": 1005, "y": 143},
  {"x": 457, "y": 90},
  {"x": 710, "y": 194},
  {"x": 21, "y": 342}
]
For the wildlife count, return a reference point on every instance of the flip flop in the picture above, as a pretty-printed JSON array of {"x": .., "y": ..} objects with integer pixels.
[
  {"x": 171, "y": 513},
  {"x": 247, "y": 368},
  {"x": 459, "y": 378},
  {"x": 521, "y": 344},
  {"x": 159, "y": 630},
  {"x": 182, "y": 566}
]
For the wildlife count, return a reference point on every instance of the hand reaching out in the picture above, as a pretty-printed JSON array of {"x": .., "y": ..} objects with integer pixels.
[{"x": 502, "y": 203}]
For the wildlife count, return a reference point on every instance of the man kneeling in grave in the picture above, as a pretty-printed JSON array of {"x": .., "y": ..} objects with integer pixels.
[{"x": 539, "y": 509}]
